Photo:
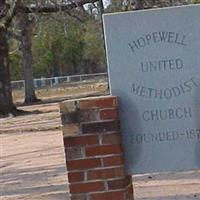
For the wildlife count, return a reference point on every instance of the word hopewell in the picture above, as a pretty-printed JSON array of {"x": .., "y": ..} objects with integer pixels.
[{"x": 157, "y": 37}]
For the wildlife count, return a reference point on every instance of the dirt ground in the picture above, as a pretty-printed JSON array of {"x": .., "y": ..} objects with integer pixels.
[{"x": 32, "y": 163}]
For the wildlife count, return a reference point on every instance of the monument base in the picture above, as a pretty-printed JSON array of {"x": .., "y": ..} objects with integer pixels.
[{"x": 94, "y": 155}]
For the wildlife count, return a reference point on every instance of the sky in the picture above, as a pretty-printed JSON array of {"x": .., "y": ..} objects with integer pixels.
[{"x": 106, "y": 2}]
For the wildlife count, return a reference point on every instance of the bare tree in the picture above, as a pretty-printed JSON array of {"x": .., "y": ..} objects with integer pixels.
[
  {"x": 7, "y": 12},
  {"x": 6, "y": 102},
  {"x": 25, "y": 26}
]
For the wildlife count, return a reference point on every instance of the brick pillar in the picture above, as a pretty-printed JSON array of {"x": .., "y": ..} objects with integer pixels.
[{"x": 94, "y": 155}]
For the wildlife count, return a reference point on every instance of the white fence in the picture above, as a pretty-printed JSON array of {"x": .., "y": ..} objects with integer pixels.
[{"x": 60, "y": 81}]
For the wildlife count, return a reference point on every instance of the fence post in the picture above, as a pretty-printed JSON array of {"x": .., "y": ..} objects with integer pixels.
[{"x": 94, "y": 155}]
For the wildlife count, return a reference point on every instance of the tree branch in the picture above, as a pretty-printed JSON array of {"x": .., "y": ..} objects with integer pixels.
[
  {"x": 57, "y": 8},
  {"x": 4, "y": 9},
  {"x": 10, "y": 14}
]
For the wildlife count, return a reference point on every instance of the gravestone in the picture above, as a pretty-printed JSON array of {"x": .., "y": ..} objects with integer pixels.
[{"x": 154, "y": 67}]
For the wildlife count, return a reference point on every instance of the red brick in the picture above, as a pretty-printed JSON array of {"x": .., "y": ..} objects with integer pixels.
[
  {"x": 81, "y": 140},
  {"x": 100, "y": 102},
  {"x": 109, "y": 114},
  {"x": 103, "y": 150},
  {"x": 113, "y": 138},
  {"x": 118, "y": 184},
  {"x": 118, "y": 195},
  {"x": 83, "y": 164},
  {"x": 80, "y": 116},
  {"x": 98, "y": 127},
  {"x": 113, "y": 160},
  {"x": 89, "y": 115},
  {"x": 105, "y": 173},
  {"x": 79, "y": 197},
  {"x": 75, "y": 177},
  {"x": 72, "y": 153},
  {"x": 86, "y": 187}
]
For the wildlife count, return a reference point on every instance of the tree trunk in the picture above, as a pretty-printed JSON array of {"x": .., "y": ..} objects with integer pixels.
[
  {"x": 6, "y": 101},
  {"x": 101, "y": 9},
  {"x": 27, "y": 58}
]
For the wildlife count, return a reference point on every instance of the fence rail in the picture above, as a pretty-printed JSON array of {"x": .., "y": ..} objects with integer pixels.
[{"x": 60, "y": 81}]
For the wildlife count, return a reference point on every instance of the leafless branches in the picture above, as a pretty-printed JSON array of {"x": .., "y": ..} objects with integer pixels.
[
  {"x": 8, "y": 12},
  {"x": 57, "y": 7}
]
